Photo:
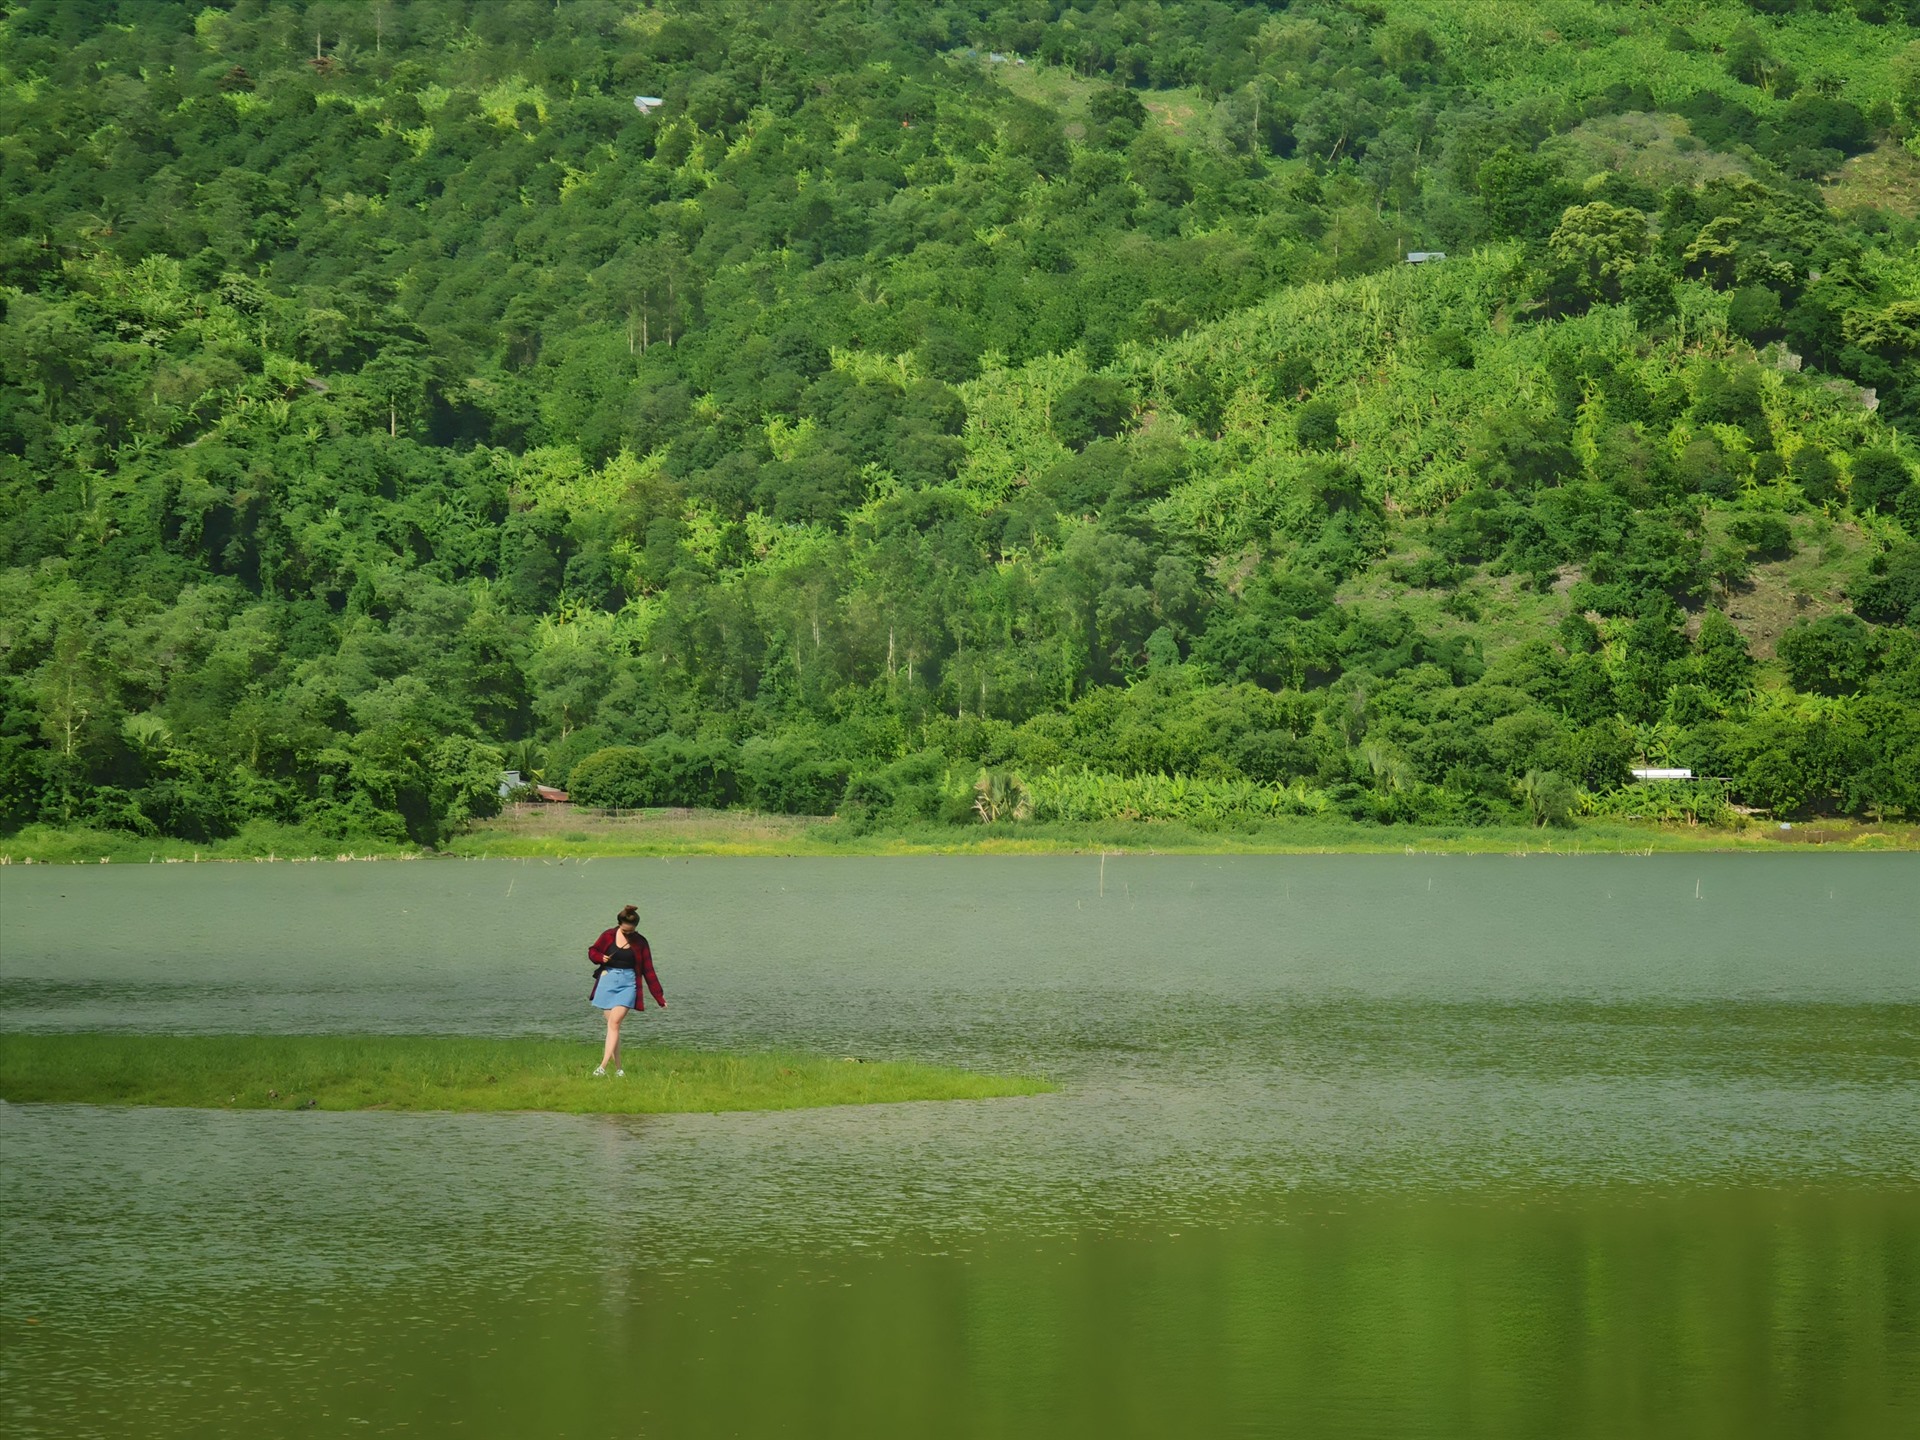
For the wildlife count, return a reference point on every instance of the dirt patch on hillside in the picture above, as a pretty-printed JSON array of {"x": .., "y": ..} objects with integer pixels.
[
  {"x": 1659, "y": 149},
  {"x": 1885, "y": 178},
  {"x": 1776, "y": 598}
]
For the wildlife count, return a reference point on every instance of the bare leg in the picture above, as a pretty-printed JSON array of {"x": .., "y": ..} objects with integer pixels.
[{"x": 611, "y": 1057}]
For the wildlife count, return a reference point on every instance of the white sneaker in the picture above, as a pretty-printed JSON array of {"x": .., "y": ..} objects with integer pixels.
[
  {"x": 619, "y": 1072},
  {"x": 600, "y": 1070}
]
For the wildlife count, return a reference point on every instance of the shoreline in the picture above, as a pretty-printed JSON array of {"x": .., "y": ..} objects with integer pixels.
[
  {"x": 404, "y": 1074},
  {"x": 684, "y": 834}
]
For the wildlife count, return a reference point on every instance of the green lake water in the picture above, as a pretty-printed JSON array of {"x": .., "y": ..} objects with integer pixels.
[{"x": 1344, "y": 1146}]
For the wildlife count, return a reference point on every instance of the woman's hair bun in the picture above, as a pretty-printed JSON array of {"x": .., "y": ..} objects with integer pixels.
[{"x": 630, "y": 915}]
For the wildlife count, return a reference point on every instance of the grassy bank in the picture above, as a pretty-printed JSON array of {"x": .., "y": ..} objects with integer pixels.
[
  {"x": 555, "y": 832},
  {"x": 412, "y": 1072},
  {"x": 558, "y": 832},
  {"x": 260, "y": 840}
]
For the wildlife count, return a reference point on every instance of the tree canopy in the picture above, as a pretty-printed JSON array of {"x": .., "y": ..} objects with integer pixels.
[{"x": 932, "y": 398}]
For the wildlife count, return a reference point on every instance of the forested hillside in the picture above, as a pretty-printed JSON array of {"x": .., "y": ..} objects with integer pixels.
[{"x": 942, "y": 411}]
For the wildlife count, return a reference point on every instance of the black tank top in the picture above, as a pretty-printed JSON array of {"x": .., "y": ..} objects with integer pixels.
[{"x": 619, "y": 959}]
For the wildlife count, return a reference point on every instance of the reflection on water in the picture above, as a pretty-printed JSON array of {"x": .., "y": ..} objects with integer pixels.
[
  {"x": 1345, "y": 1146},
  {"x": 1602, "y": 1313}
]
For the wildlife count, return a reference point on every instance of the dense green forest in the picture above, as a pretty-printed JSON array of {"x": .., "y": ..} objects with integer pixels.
[{"x": 949, "y": 411}]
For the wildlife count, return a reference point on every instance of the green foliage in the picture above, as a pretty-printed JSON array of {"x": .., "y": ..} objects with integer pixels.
[
  {"x": 667, "y": 771},
  {"x": 1891, "y": 593},
  {"x": 1766, "y": 536},
  {"x": 1059, "y": 794},
  {"x": 620, "y": 777},
  {"x": 1882, "y": 481},
  {"x": 1317, "y": 425},
  {"x": 1091, "y": 409},
  {"x": 1550, "y": 797},
  {"x": 1692, "y": 802},
  {"x": 853, "y": 426},
  {"x": 1522, "y": 195},
  {"x": 1832, "y": 656}
]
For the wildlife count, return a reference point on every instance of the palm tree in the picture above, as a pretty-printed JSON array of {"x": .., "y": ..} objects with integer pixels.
[{"x": 529, "y": 758}]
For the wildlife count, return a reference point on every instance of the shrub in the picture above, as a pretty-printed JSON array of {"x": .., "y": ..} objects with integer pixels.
[
  {"x": 1814, "y": 473},
  {"x": 787, "y": 780},
  {"x": 910, "y": 791},
  {"x": 1891, "y": 595},
  {"x": 1833, "y": 655},
  {"x": 1550, "y": 797},
  {"x": 1754, "y": 311},
  {"x": 1880, "y": 479},
  {"x": 667, "y": 771},
  {"x": 693, "y": 772},
  {"x": 1091, "y": 409},
  {"x": 1767, "y": 537},
  {"x": 1317, "y": 426},
  {"x": 619, "y": 777}
]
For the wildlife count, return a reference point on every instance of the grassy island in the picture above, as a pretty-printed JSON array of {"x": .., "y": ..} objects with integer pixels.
[{"x": 458, "y": 1073}]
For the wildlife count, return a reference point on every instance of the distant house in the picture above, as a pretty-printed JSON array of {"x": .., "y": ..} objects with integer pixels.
[
  {"x": 647, "y": 104},
  {"x": 1655, "y": 773},
  {"x": 1422, "y": 257},
  {"x": 510, "y": 781}
]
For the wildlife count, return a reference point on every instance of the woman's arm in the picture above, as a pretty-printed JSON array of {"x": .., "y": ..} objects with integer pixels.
[
  {"x": 597, "y": 952},
  {"x": 646, "y": 970}
]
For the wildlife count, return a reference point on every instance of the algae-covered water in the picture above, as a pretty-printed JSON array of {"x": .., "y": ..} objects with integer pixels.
[{"x": 1344, "y": 1147}]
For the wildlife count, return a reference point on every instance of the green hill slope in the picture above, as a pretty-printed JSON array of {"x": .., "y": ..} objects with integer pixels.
[{"x": 951, "y": 411}]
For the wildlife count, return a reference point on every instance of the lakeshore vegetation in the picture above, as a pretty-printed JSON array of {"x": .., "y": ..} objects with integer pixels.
[
  {"x": 956, "y": 418},
  {"x": 460, "y": 1073}
]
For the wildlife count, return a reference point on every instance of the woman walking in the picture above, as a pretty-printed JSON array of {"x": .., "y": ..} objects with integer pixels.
[{"x": 620, "y": 960}]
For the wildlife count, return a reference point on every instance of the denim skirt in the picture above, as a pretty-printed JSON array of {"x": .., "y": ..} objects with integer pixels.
[{"x": 617, "y": 987}]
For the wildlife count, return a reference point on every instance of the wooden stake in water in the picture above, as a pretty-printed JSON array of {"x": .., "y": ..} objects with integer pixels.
[{"x": 1103, "y": 874}]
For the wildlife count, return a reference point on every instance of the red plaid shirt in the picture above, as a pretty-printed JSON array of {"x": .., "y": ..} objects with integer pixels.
[{"x": 603, "y": 952}]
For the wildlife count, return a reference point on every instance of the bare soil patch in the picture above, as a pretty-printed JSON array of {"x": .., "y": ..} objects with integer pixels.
[{"x": 1885, "y": 178}]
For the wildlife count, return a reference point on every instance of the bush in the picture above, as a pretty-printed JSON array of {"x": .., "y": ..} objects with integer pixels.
[
  {"x": 667, "y": 771},
  {"x": 1891, "y": 595},
  {"x": 1549, "y": 797},
  {"x": 1091, "y": 409},
  {"x": 786, "y": 779},
  {"x": 1317, "y": 426},
  {"x": 909, "y": 791},
  {"x": 619, "y": 777},
  {"x": 1880, "y": 479},
  {"x": 1767, "y": 537},
  {"x": 1817, "y": 122},
  {"x": 1754, "y": 311},
  {"x": 1834, "y": 655},
  {"x": 1428, "y": 572},
  {"x": 1449, "y": 348},
  {"x": 1814, "y": 473},
  {"x": 693, "y": 772}
]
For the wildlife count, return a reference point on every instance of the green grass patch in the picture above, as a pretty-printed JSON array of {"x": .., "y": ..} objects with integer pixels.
[
  {"x": 1885, "y": 178},
  {"x": 257, "y": 840},
  {"x": 1177, "y": 112},
  {"x": 719, "y": 832},
  {"x": 437, "y": 1072},
  {"x": 1293, "y": 835}
]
